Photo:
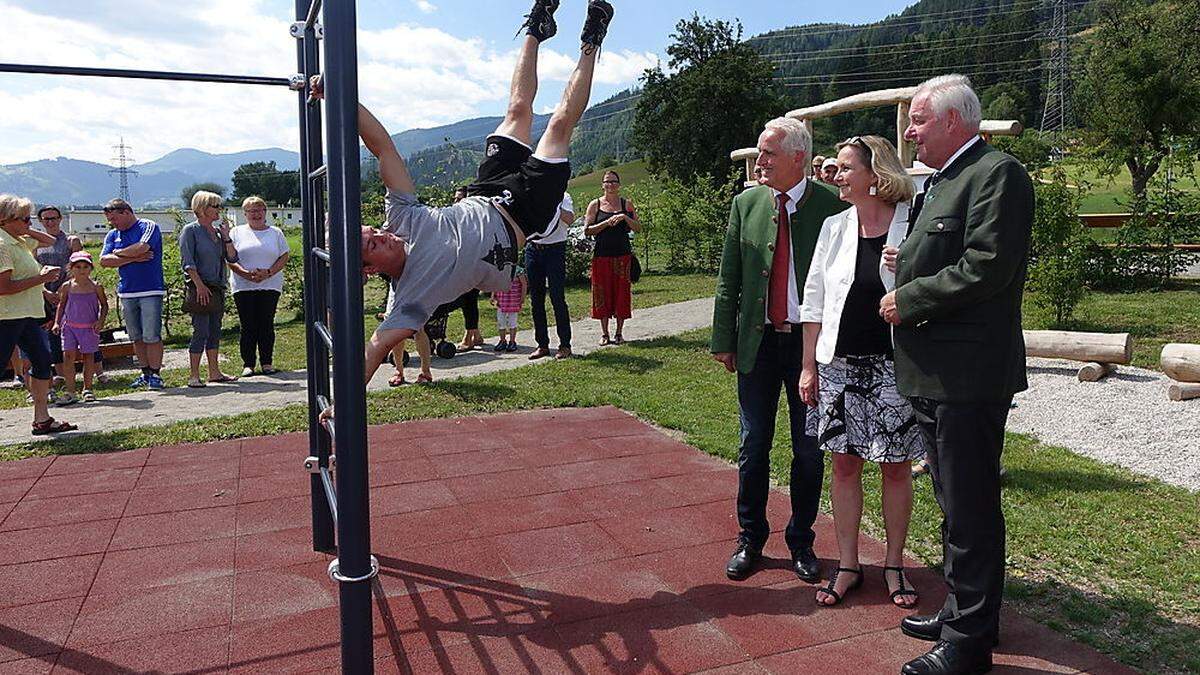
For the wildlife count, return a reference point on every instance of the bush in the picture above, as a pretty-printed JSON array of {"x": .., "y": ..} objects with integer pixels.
[
  {"x": 688, "y": 221},
  {"x": 1145, "y": 254},
  {"x": 1058, "y": 250}
]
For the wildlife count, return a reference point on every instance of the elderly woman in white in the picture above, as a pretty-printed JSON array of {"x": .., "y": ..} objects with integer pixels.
[{"x": 848, "y": 375}]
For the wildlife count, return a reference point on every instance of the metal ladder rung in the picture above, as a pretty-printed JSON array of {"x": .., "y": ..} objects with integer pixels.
[
  {"x": 319, "y": 172},
  {"x": 323, "y": 331},
  {"x": 321, "y": 254}
]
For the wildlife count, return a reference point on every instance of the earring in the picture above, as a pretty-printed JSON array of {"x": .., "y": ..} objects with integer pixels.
[{"x": 873, "y": 191}]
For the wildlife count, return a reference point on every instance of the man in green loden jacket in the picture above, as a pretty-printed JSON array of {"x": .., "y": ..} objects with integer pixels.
[
  {"x": 756, "y": 333},
  {"x": 960, "y": 355}
]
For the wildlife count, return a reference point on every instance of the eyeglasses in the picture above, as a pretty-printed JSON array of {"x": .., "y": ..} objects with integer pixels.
[
  {"x": 611, "y": 182},
  {"x": 115, "y": 209}
]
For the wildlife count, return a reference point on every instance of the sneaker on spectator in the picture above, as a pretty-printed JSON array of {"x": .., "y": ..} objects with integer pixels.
[
  {"x": 248, "y": 371},
  {"x": 154, "y": 382},
  {"x": 140, "y": 382},
  {"x": 88, "y": 396}
]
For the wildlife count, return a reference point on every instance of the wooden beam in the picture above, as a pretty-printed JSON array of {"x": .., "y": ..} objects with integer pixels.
[
  {"x": 1183, "y": 391},
  {"x": 1181, "y": 362},
  {"x": 868, "y": 99},
  {"x": 1001, "y": 128}
]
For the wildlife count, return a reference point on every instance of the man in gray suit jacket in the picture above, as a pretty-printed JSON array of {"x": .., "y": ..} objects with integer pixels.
[{"x": 960, "y": 355}]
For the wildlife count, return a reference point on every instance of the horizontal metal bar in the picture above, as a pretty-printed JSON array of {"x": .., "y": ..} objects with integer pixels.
[
  {"x": 143, "y": 74},
  {"x": 323, "y": 332},
  {"x": 321, "y": 253},
  {"x": 330, "y": 494},
  {"x": 323, "y": 404},
  {"x": 313, "y": 11},
  {"x": 319, "y": 172}
]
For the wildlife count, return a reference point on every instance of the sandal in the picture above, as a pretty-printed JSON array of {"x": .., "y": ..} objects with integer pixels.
[
  {"x": 424, "y": 379},
  {"x": 50, "y": 426},
  {"x": 920, "y": 468},
  {"x": 223, "y": 379},
  {"x": 837, "y": 597},
  {"x": 901, "y": 592},
  {"x": 397, "y": 380},
  {"x": 196, "y": 383},
  {"x": 604, "y": 341}
]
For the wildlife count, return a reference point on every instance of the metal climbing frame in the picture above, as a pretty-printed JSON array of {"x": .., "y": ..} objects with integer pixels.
[{"x": 332, "y": 299}]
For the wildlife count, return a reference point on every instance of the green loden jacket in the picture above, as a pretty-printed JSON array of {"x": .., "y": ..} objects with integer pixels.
[
  {"x": 740, "y": 309},
  {"x": 959, "y": 282}
]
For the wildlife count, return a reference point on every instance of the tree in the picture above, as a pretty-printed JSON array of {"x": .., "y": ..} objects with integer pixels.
[
  {"x": 267, "y": 181},
  {"x": 1140, "y": 91},
  {"x": 718, "y": 98},
  {"x": 188, "y": 192}
]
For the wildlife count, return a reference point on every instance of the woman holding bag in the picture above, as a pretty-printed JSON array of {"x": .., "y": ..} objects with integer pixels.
[
  {"x": 848, "y": 375},
  {"x": 610, "y": 219},
  {"x": 204, "y": 248}
]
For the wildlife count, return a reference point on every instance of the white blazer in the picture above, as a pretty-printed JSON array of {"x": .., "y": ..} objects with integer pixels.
[{"x": 831, "y": 273}]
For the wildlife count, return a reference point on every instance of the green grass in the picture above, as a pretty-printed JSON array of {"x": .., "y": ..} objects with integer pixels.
[
  {"x": 1099, "y": 553},
  {"x": 651, "y": 291},
  {"x": 1111, "y": 195},
  {"x": 587, "y": 187},
  {"x": 1153, "y": 318}
]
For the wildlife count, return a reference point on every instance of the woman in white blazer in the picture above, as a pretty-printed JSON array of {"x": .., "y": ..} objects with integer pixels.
[{"x": 848, "y": 377}]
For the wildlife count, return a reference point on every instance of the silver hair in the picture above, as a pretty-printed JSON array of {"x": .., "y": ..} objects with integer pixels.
[
  {"x": 795, "y": 135},
  {"x": 953, "y": 92}
]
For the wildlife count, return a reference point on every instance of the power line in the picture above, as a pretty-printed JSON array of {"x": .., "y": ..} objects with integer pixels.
[
  {"x": 857, "y": 48},
  {"x": 830, "y": 76}
]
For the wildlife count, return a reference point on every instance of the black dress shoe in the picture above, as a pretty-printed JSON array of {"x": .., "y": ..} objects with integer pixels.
[
  {"x": 743, "y": 562},
  {"x": 928, "y": 627},
  {"x": 946, "y": 658},
  {"x": 806, "y": 565}
]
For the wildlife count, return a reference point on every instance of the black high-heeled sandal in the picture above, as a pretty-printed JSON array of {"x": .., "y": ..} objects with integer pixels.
[
  {"x": 837, "y": 597},
  {"x": 901, "y": 591}
]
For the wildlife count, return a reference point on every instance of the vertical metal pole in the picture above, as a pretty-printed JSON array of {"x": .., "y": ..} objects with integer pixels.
[
  {"x": 312, "y": 219},
  {"x": 353, "y": 526}
]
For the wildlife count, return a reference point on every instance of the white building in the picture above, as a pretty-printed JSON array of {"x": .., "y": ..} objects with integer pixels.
[{"x": 91, "y": 224}]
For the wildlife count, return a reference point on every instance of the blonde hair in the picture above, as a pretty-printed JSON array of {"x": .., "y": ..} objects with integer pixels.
[
  {"x": 895, "y": 185},
  {"x": 253, "y": 200},
  {"x": 13, "y": 207},
  {"x": 202, "y": 199}
]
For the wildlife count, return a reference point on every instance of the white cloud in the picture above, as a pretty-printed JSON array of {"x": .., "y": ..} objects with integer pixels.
[
  {"x": 412, "y": 76},
  {"x": 425, "y": 6}
]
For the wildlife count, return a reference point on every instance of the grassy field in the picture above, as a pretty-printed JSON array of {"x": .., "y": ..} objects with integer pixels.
[
  {"x": 651, "y": 291},
  {"x": 1103, "y": 555}
]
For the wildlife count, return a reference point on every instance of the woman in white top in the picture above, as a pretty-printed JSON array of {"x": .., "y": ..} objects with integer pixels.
[
  {"x": 848, "y": 376},
  {"x": 257, "y": 284}
]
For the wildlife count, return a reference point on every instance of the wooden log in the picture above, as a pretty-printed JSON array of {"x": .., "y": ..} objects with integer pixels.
[
  {"x": 744, "y": 154},
  {"x": 1094, "y": 372},
  {"x": 1183, "y": 391},
  {"x": 1181, "y": 362},
  {"x": 867, "y": 99},
  {"x": 1001, "y": 128},
  {"x": 1076, "y": 346}
]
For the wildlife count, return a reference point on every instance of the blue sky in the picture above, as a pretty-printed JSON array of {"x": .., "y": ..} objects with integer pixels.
[{"x": 422, "y": 63}]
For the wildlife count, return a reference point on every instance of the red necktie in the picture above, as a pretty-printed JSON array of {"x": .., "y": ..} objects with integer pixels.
[{"x": 777, "y": 295}]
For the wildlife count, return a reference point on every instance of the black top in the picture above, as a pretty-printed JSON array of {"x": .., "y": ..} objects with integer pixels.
[
  {"x": 863, "y": 332},
  {"x": 612, "y": 242}
]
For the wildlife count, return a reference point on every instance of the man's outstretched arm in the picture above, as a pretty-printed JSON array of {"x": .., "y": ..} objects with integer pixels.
[{"x": 392, "y": 168}]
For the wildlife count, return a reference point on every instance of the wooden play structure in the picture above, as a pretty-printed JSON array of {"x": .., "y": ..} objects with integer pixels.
[
  {"x": 1181, "y": 362},
  {"x": 901, "y": 98}
]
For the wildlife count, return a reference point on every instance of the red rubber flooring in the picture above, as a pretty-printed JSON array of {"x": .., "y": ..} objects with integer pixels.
[{"x": 561, "y": 541}]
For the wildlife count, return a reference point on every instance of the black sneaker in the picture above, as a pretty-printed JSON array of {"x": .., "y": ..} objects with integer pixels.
[
  {"x": 539, "y": 22},
  {"x": 599, "y": 13}
]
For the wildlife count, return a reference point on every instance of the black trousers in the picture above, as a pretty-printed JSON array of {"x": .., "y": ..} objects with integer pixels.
[
  {"x": 469, "y": 302},
  {"x": 776, "y": 368},
  {"x": 547, "y": 266},
  {"x": 966, "y": 441},
  {"x": 256, "y": 312}
]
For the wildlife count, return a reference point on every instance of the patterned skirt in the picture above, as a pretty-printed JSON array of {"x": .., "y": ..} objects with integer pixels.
[{"x": 859, "y": 412}]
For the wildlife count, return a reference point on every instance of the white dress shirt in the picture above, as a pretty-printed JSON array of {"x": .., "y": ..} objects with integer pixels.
[
  {"x": 556, "y": 231},
  {"x": 794, "y": 197},
  {"x": 959, "y": 153}
]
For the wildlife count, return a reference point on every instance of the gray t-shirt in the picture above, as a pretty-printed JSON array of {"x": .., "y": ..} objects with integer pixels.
[{"x": 450, "y": 251}]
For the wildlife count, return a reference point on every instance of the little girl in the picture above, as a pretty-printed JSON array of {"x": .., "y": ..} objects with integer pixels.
[
  {"x": 82, "y": 309},
  {"x": 508, "y": 306}
]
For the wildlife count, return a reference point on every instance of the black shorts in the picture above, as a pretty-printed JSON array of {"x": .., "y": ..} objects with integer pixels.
[{"x": 535, "y": 187}]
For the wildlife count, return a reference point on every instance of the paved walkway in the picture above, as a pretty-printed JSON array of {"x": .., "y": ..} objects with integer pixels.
[
  {"x": 140, "y": 409},
  {"x": 568, "y": 541}
]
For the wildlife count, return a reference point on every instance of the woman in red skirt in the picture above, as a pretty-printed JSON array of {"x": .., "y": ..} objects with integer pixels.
[{"x": 610, "y": 219}]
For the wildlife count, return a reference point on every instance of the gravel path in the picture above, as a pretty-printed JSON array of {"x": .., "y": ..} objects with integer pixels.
[{"x": 1124, "y": 419}]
